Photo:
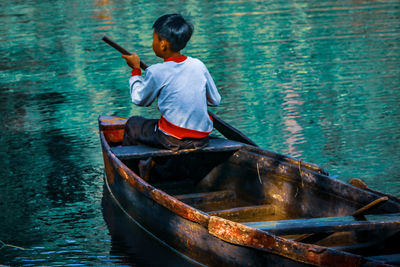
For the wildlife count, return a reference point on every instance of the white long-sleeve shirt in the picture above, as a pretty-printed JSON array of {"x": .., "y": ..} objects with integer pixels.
[{"x": 184, "y": 88}]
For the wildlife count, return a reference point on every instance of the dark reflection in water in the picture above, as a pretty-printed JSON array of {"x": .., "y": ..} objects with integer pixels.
[{"x": 313, "y": 79}]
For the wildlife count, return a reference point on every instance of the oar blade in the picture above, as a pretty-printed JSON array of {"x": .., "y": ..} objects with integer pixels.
[{"x": 229, "y": 131}]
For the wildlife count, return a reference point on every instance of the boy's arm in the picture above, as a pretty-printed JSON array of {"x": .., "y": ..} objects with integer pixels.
[
  {"x": 143, "y": 90},
  {"x": 213, "y": 97}
]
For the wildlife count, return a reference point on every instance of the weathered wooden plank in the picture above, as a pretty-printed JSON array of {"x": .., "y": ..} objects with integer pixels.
[
  {"x": 180, "y": 187},
  {"x": 208, "y": 197},
  {"x": 243, "y": 213},
  {"x": 329, "y": 224},
  {"x": 143, "y": 151},
  {"x": 240, "y": 234}
]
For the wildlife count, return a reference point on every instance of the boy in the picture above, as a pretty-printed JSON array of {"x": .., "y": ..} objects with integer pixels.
[{"x": 183, "y": 86}]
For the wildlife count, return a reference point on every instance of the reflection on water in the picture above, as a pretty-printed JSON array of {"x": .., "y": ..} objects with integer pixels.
[
  {"x": 294, "y": 131},
  {"x": 313, "y": 79}
]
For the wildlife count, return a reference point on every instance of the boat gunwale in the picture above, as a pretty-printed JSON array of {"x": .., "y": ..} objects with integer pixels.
[{"x": 288, "y": 159}]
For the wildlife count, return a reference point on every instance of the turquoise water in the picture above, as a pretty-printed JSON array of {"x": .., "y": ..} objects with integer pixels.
[{"x": 317, "y": 80}]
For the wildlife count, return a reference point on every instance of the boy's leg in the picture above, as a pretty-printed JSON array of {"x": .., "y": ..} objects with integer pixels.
[
  {"x": 145, "y": 168},
  {"x": 140, "y": 130}
]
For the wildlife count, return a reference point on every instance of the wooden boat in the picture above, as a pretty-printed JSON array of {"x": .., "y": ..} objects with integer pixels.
[{"x": 234, "y": 204}]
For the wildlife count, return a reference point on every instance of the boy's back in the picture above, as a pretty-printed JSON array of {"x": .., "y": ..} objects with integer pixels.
[{"x": 184, "y": 87}]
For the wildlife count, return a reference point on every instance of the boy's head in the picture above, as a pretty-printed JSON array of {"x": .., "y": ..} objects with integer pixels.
[{"x": 175, "y": 29}]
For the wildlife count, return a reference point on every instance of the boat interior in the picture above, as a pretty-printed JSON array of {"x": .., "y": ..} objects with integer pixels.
[{"x": 277, "y": 194}]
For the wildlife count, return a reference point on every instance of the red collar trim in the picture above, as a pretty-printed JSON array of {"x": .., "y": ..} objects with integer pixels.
[{"x": 176, "y": 59}]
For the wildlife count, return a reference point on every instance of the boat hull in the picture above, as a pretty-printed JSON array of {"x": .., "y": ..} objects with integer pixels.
[{"x": 257, "y": 180}]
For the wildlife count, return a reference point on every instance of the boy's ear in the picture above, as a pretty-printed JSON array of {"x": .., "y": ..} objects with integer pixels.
[{"x": 164, "y": 44}]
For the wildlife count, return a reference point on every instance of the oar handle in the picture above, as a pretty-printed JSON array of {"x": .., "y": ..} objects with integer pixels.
[
  {"x": 367, "y": 208},
  {"x": 121, "y": 50}
]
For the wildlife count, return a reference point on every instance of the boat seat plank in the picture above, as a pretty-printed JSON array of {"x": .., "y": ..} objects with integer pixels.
[
  {"x": 245, "y": 213},
  {"x": 143, "y": 151},
  {"x": 208, "y": 197},
  {"x": 328, "y": 224}
]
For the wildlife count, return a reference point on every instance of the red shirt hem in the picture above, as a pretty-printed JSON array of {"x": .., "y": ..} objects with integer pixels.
[{"x": 180, "y": 132}]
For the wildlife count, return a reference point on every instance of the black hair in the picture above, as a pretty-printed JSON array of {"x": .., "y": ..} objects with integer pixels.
[{"x": 175, "y": 29}]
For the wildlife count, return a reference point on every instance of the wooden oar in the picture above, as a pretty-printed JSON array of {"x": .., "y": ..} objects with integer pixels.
[
  {"x": 359, "y": 214},
  {"x": 122, "y": 50},
  {"x": 223, "y": 127},
  {"x": 229, "y": 131}
]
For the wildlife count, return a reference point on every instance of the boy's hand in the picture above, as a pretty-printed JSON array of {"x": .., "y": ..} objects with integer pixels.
[{"x": 132, "y": 60}]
